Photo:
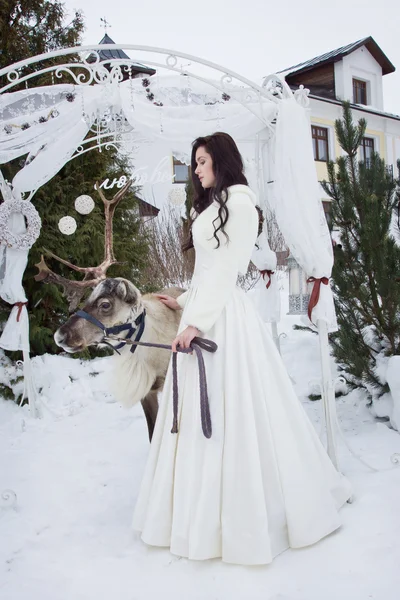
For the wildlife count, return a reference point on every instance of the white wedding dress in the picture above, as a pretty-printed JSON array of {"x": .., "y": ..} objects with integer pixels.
[{"x": 263, "y": 482}]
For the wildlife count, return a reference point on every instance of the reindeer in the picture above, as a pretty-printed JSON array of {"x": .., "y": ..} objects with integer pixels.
[{"x": 117, "y": 307}]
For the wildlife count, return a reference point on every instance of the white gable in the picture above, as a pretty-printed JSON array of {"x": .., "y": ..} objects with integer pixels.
[{"x": 360, "y": 64}]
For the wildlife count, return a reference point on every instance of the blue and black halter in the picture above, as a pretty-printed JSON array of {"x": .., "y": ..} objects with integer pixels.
[{"x": 128, "y": 327}]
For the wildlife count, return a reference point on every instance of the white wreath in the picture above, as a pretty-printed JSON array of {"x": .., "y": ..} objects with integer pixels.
[{"x": 25, "y": 240}]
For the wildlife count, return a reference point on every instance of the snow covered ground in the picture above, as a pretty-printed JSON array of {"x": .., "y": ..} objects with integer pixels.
[{"x": 72, "y": 478}]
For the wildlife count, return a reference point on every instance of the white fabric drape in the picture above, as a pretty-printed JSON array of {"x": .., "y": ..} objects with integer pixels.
[
  {"x": 12, "y": 266},
  {"x": 44, "y": 110},
  {"x": 294, "y": 196},
  {"x": 178, "y": 124},
  {"x": 266, "y": 291},
  {"x": 15, "y": 335},
  {"x": 181, "y": 110}
]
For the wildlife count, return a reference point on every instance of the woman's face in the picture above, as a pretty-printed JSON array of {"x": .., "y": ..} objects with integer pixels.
[{"x": 204, "y": 169}]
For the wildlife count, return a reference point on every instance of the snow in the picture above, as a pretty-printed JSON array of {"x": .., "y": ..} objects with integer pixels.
[
  {"x": 393, "y": 379},
  {"x": 75, "y": 473}
]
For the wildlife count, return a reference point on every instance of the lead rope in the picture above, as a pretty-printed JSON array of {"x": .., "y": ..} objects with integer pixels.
[{"x": 197, "y": 345}]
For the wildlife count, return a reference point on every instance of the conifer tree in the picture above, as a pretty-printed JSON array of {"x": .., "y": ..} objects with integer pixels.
[
  {"x": 366, "y": 269},
  {"x": 32, "y": 27}
]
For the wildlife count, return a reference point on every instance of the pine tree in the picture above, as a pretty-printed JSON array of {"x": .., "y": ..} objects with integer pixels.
[
  {"x": 28, "y": 28},
  {"x": 366, "y": 269}
]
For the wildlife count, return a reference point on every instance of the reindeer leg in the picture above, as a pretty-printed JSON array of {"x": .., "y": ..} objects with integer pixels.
[
  {"x": 150, "y": 408},
  {"x": 150, "y": 404}
]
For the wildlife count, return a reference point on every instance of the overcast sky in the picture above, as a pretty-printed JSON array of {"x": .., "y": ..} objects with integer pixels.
[{"x": 252, "y": 37}]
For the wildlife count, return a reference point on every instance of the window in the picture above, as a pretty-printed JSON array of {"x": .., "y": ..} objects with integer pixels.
[
  {"x": 359, "y": 91},
  {"x": 367, "y": 149},
  {"x": 327, "y": 204},
  {"x": 181, "y": 171},
  {"x": 320, "y": 143}
]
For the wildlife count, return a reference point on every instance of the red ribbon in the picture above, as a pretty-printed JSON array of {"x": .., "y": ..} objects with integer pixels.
[
  {"x": 20, "y": 305},
  {"x": 315, "y": 292},
  {"x": 267, "y": 272}
]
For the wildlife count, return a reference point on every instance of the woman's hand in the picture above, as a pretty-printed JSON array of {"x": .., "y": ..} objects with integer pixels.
[
  {"x": 168, "y": 301},
  {"x": 185, "y": 337}
]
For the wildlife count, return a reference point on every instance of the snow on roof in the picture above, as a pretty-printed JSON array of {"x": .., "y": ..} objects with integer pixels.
[{"x": 362, "y": 107}]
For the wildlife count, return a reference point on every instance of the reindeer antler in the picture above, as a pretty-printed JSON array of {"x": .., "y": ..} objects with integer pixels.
[{"x": 74, "y": 290}]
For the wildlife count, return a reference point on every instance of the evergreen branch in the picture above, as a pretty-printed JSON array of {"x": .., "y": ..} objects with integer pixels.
[{"x": 36, "y": 25}]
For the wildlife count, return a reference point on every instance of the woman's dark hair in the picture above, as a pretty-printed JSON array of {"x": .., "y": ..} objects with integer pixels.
[{"x": 228, "y": 170}]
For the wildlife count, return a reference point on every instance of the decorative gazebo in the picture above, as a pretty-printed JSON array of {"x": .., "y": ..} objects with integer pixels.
[{"x": 92, "y": 104}]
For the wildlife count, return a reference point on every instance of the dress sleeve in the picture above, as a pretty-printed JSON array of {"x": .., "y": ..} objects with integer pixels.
[
  {"x": 181, "y": 300},
  {"x": 233, "y": 256}
]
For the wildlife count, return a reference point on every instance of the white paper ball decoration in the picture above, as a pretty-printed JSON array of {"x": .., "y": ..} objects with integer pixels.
[
  {"x": 84, "y": 204},
  {"x": 67, "y": 225},
  {"x": 177, "y": 196}
]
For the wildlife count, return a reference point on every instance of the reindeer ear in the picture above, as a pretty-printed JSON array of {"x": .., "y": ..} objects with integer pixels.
[{"x": 127, "y": 291}]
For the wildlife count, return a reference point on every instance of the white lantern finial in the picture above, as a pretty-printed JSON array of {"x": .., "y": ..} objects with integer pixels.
[{"x": 177, "y": 196}]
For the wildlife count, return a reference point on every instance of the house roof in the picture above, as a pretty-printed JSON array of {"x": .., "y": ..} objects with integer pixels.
[
  {"x": 146, "y": 209},
  {"x": 111, "y": 54},
  {"x": 339, "y": 53}
]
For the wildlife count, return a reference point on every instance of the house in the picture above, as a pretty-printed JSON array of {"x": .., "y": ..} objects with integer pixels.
[
  {"x": 147, "y": 211},
  {"x": 353, "y": 73}
]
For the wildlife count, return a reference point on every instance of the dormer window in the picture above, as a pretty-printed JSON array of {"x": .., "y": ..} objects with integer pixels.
[{"x": 359, "y": 91}]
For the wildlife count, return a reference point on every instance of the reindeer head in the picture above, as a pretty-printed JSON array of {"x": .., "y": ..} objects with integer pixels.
[{"x": 112, "y": 302}]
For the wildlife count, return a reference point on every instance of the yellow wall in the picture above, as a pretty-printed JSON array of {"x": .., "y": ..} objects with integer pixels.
[{"x": 322, "y": 171}]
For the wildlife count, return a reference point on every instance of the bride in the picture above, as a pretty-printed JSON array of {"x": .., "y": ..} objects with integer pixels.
[{"x": 262, "y": 482}]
